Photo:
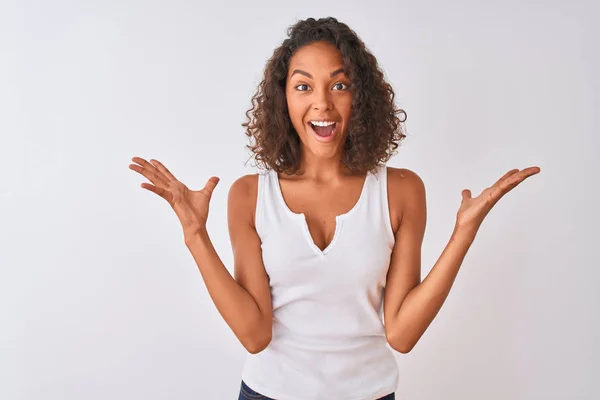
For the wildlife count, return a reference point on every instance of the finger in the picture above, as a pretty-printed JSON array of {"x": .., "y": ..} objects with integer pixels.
[
  {"x": 532, "y": 170},
  {"x": 514, "y": 180},
  {"x": 165, "y": 194},
  {"x": 506, "y": 175},
  {"x": 211, "y": 184},
  {"x": 150, "y": 172},
  {"x": 151, "y": 176},
  {"x": 466, "y": 194},
  {"x": 526, "y": 173},
  {"x": 163, "y": 169}
]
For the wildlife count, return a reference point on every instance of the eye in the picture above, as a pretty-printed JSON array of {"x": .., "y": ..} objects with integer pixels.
[
  {"x": 341, "y": 83},
  {"x": 301, "y": 90}
]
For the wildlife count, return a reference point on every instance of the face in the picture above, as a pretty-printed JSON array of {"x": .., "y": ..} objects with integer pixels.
[{"x": 319, "y": 98}]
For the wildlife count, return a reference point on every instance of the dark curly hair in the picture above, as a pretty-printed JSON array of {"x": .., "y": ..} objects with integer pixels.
[{"x": 374, "y": 130}]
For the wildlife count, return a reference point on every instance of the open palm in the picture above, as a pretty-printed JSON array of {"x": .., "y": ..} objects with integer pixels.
[
  {"x": 473, "y": 210},
  {"x": 191, "y": 206}
]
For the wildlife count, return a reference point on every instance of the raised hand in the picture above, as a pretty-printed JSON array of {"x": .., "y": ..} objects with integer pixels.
[
  {"x": 191, "y": 206},
  {"x": 473, "y": 210}
]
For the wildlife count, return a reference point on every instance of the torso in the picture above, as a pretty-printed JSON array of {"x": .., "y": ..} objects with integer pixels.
[
  {"x": 331, "y": 281},
  {"x": 322, "y": 203}
]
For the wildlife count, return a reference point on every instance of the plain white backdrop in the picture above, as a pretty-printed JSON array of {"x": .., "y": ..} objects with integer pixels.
[{"x": 100, "y": 298}]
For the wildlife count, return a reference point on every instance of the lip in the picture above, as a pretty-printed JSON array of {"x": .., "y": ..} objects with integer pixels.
[{"x": 321, "y": 138}]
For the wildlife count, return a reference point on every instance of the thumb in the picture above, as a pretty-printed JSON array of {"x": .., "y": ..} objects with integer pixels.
[
  {"x": 466, "y": 194},
  {"x": 211, "y": 184}
]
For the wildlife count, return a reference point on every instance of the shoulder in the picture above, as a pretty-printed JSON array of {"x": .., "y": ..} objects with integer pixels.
[
  {"x": 242, "y": 196},
  {"x": 406, "y": 193},
  {"x": 244, "y": 186},
  {"x": 404, "y": 178}
]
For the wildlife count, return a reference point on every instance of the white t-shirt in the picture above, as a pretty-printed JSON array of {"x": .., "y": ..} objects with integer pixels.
[{"x": 328, "y": 335}]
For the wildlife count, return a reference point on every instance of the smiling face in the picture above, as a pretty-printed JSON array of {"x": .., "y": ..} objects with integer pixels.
[{"x": 319, "y": 98}]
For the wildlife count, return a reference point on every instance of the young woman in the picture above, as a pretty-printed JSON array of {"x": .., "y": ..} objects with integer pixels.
[{"x": 325, "y": 227}]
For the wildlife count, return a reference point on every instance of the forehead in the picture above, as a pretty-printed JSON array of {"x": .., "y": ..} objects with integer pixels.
[{"x": 316, "y": 56}]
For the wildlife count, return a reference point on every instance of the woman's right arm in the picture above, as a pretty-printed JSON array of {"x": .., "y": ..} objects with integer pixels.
[{"x": 244, "y": 302}]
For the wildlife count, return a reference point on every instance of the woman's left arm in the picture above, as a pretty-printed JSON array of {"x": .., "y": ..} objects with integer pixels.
[{"x": 409, "y": 304}]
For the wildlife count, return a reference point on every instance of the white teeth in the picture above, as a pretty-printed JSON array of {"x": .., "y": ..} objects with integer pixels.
[{"x": 322, "y": 123}]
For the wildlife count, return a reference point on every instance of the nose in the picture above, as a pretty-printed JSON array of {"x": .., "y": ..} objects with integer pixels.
[{"x": 322, "y": 100}]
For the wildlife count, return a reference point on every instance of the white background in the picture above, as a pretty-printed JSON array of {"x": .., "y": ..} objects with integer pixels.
[{"x": 100, "y": 298}]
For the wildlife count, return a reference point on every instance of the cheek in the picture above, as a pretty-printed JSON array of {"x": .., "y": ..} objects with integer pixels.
[
  {"x": 295, "y": 117},
  {"x": 295, "y": 114},
  {"x": 296, "y": 110},
  {"x": 344, "y": 106}
]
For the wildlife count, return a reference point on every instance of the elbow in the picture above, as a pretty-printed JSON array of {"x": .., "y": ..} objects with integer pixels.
[
  {"x": 257, "y": 342},
  {"x": 257, "y": 345},
  {"x": 399, "y": 345},
  {"x": 403, "y": 349},
  {"x": 255, "y": 349}
]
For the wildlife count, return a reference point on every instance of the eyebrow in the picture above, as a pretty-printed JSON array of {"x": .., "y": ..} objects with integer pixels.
[{"x": 299, "y": 71}]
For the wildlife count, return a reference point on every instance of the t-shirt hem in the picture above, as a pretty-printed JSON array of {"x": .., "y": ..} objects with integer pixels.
[{"x": 283, "y": 396}]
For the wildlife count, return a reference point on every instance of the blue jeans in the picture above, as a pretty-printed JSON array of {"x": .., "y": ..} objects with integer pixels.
[{"x": 248, "y": 394}]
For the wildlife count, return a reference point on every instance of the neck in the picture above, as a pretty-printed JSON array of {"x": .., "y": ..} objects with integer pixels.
[{"x": 323, "y": 169}]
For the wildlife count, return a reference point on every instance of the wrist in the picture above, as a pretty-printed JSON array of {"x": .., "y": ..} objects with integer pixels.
[
  {"x": 465, "y": 232},
  {"x": 197, "y": 234}
]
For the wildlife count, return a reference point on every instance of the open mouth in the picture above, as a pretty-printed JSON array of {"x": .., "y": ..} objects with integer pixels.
[{"x": 323, "y": 131}]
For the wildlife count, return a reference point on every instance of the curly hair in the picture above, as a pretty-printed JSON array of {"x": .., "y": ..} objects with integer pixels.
[{"x": 374, "y": 130}]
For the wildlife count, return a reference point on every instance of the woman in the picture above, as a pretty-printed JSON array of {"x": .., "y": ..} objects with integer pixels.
[{"x": 325, "y": 228}]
